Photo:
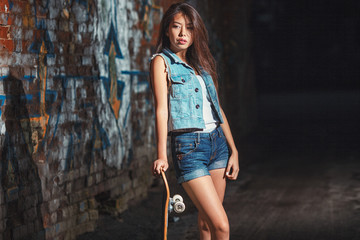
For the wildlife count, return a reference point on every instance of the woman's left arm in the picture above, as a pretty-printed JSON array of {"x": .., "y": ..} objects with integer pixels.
[{"x": 232, "y": 169}]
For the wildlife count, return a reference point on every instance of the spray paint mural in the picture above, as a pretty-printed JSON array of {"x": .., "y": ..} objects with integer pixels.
[
  {"x": 116, "y": 63},
  {"x": 74, "y": 101}
]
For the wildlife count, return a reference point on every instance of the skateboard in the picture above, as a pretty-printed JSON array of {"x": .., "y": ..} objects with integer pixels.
[{"x": 169, "y": 205}]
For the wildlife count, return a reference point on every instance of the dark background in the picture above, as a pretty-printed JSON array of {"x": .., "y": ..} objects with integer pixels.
[
  {"x": 306, "y": 65},
  {"x": 306, "y": 45}
]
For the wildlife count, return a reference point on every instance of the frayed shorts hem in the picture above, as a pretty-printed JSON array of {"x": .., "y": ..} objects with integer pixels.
[
  {"x": 201, "y": 172},
  {"x": 192, "y": 175}
]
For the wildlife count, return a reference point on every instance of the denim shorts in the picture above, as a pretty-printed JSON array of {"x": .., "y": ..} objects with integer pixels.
[{"x": 195, "y": 153}]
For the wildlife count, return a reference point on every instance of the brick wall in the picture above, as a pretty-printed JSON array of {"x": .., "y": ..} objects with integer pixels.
[{"x": 76, "y": 127}]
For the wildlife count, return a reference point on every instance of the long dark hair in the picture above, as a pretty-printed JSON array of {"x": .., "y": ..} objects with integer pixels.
[{"x": 198, "y": 54}]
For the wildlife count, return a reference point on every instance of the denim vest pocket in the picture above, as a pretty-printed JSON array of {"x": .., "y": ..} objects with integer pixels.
[
  {"x": 181, "y": 86},
  {"x": 181, "y": 108}
]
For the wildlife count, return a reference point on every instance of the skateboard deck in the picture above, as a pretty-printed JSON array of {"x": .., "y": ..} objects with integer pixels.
[{"x": 169, "y": 204}]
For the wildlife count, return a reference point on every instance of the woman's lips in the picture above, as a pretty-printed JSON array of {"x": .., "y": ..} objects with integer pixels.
[{"x": 182, "y": 41}]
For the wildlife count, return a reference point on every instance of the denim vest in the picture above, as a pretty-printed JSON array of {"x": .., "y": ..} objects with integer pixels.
[{"x": 185, "y": 96}]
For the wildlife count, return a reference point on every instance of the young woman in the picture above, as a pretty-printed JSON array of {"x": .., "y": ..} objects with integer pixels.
[{"x": 184, "y": 82}]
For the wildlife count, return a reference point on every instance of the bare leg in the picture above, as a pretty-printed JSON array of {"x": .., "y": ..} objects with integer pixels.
[
  {"x": 203, "y": 193},
  {"x": 219, "y": 182}
]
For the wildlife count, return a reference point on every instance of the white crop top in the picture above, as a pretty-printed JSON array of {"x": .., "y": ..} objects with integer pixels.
[{"x": 208, "y": 113}]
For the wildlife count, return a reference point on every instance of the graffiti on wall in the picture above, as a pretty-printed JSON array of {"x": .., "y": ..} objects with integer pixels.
[
  {"x": 18, "y": 172},
  {"x": 56, "y": 117},
  {"x": 114, "y": 88},
  {"x": 44, "y": 49},
  {"x": 114, "y": 32},
  {"x": 147, "y": 15},
  {"x": 110, "y": 130}
]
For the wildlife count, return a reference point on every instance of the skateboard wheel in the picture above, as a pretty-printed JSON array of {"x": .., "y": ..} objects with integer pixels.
[
  {"x": 177, "y": 198},
  {"x": 179, "y": 207}
]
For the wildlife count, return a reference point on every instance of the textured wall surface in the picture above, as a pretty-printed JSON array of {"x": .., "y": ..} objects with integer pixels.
[
  {"x": 76, "y": 126},
  {"x": 76, "y": 114}
]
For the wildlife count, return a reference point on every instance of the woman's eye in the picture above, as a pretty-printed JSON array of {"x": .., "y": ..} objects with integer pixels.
[{"x": 176, "y": 26}]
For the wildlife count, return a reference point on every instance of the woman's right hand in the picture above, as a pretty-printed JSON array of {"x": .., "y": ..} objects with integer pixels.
[{"x": 158, "y": 165}]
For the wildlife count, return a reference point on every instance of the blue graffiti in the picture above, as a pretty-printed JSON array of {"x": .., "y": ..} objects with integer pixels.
[
  {"x": 120, "y": 87},
  {"x": 98, "y": 131},
  {"x": 40, "y": 23},
  {"x": 39, "y": 40},
  {"x": 50, "y": 98},
  {"x": 112, "y": 38}
]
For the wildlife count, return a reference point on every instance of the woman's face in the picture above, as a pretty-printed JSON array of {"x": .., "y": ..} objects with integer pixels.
[{"x": 180, "y": 33}]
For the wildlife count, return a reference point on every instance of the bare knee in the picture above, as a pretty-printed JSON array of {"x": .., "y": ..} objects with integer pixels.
[{"x": 222, "y": 228}]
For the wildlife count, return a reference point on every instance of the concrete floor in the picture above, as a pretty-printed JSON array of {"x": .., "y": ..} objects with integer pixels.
[{"x": 301, "y": 180}]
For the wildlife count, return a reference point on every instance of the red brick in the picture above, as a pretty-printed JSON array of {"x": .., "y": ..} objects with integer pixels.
[
  {"x": 7, "y": 44},
  {"x": 2, "y": 6},
  {"x": 23, "y": 6},
  {"x": 4, "y": 31}
]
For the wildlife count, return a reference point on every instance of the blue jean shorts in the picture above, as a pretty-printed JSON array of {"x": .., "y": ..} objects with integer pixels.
[{"x": 195, "y": 154}]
